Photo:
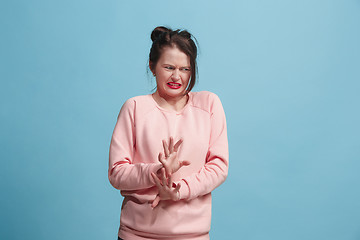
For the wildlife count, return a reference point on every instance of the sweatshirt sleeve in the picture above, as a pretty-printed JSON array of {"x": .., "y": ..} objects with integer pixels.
[
  {"x": 123, "y": 174},
  {"x": 215, "y": 169}
]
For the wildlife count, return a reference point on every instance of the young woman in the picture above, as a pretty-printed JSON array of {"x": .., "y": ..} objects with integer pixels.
[{"x": 169, "y": 149}]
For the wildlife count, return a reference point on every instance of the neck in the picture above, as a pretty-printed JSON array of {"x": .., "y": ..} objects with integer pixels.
[{"x": 175, "y": 104}]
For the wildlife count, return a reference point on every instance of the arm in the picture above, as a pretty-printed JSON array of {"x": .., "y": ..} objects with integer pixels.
[
  {"x": 123, "y": 174},
  {"x": 215, "y": 169}
]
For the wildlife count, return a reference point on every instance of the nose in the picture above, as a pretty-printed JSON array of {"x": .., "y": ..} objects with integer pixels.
[{"x": 175, "y": 76}]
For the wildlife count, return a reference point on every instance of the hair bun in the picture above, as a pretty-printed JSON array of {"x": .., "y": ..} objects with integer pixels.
[
  {"x": 185, "y": 34},
  {"x": 158, "y": 31}
]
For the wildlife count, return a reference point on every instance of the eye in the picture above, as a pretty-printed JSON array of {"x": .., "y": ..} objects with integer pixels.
[
  {"x": 169, "y": 67},
  {"x": 185, "y": 69}
]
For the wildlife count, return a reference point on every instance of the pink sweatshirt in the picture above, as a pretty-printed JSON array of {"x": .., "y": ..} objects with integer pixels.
[{"x": 136, "y": 142}]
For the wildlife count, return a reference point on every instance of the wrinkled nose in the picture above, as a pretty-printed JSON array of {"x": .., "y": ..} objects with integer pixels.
[{"x": 175, "y": 76}]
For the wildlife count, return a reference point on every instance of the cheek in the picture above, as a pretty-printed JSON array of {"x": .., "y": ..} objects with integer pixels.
[
  {"x": 186, "y": 78},
  {"x": 165, "y": 75},
  {"x": 161, "y": 79}
]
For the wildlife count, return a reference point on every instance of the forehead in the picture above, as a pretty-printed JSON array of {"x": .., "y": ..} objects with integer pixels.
[{"x": 173, "y": 55}]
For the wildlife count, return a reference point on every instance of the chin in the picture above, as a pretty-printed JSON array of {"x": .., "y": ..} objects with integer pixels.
[{"x": 173, "y": 94}]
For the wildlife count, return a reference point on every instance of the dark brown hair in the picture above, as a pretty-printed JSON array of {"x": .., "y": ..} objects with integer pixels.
[{"x": 182, "y": 39}]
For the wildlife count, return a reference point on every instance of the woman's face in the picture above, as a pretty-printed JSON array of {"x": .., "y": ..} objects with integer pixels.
[{"x": 172, "y": 73}]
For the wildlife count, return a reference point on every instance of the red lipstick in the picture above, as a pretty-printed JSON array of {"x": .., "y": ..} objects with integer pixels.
[{"x": 174, "y": 85}]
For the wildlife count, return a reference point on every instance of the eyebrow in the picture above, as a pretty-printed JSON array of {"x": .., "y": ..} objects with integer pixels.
[{"x": 167, "y": 64}]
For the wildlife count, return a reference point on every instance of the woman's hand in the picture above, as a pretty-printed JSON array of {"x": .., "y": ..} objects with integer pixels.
[
  {"x": 167, "y": 189},
  {"x": 170, "y": 161}
]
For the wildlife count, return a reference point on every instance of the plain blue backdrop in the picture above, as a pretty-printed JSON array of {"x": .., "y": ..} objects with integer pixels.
[{"x": 287, "y": 73}]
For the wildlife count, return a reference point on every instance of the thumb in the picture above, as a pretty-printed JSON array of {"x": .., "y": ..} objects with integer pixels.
[
  {"x": 156, "y": 201},
  {"x": 161, "y": 159}
]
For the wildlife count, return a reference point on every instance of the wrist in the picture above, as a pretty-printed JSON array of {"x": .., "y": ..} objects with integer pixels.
[{"x": 184, "y": 191}]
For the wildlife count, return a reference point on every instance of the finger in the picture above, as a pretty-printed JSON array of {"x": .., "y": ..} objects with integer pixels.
[
  {"x": 177, "y": 187},
  {"x": 167, "y": 169},
  {"x": 176, "y": 193},
  {"x": 177, "y": 145},
  {"x": 163, "y": 177},
  {"x": 171, "y": 145},
  {"x": 166, "y": 149},
  {"x": 161, "y": 159},
  {"x": 184, "y": 163},
  {"x": 156, "y": 180},
  {"x": 156, "y": 201},
  {"x": 170, "y": 182}
]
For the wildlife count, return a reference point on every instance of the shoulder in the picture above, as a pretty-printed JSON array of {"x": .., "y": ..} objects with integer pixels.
[
  {"x": 141, "y": 104},
  {"x": 138, "y": 99},
  {"x": 205, "y": 100}
]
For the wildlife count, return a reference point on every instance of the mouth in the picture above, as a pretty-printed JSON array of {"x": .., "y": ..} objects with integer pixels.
[{"x": 173, "y": 85}]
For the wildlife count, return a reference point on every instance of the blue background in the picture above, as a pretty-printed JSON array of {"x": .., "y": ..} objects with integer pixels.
[{"x": 287, "y": 73}]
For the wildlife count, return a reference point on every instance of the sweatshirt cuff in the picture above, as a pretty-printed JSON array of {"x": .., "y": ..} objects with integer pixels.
[
  {"x": 153, "y": 168},
  {"x": 184, "y": 190}
]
